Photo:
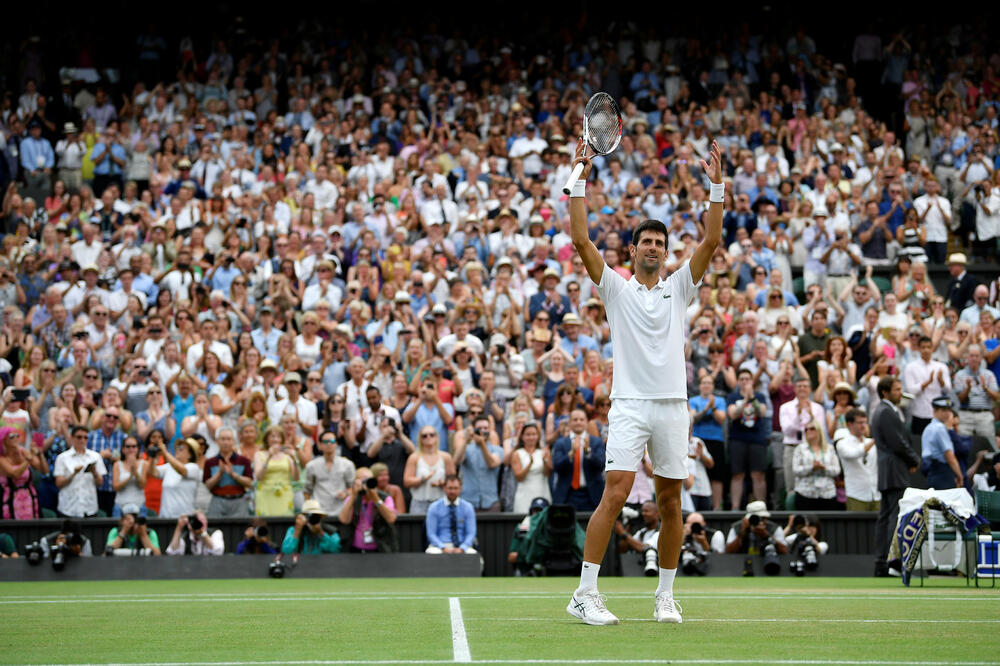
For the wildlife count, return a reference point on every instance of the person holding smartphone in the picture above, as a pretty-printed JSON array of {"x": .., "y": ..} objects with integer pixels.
[{"x": 79, "y": 472}]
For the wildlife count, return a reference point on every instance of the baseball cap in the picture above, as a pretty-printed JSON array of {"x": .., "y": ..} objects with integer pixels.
[{"x": 292, "y": 377}]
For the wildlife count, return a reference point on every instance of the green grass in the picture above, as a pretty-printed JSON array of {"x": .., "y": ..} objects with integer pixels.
[{"x": 733, "y": 620}]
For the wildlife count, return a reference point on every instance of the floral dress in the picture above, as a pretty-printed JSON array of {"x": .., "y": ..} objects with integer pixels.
[{"x": 17, "y": 497}]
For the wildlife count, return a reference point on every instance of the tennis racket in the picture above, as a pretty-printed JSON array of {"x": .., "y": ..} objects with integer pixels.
[{"x": 602, "y": 131}]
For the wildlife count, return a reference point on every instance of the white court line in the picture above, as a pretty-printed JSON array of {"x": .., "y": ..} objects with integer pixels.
[
  {"x": 364, "y": 662},
  {"x": 792, "y": 620},
  {"x": 459, "y": 641},
  {"x": 291, "y": 596}
]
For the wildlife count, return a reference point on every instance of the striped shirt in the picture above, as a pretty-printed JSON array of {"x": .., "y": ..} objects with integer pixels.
[{"x": 978, "y": 398}]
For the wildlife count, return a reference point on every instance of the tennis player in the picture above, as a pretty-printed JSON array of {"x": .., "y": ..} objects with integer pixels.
[{"x": 649, "y": 392}]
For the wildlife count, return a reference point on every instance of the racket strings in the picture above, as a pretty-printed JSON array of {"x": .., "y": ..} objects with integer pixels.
[{"x": 604, "y": 124}]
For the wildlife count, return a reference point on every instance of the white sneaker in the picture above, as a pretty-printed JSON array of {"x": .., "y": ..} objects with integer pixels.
[
  {"x": 665, "y": 609},
  {"x": 590, "y": 608}
]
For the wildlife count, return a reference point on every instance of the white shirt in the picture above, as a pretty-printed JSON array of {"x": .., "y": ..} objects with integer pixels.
[
  {"x": 860, "y": 468},
  {"x": 354, "y": 397},
  {"x": 898, "y": 321},
  {"x": 915, "y": 374},
  {"x": 374, "y": 419},
  {"x": 85, "y": 254},
  {"x": 446, "y": 345},
  {"x": 178, "y": 491},
  {"x": 934, "y": 223},
  {"x": 197, "y": 350},
  {"x": 314, "y": 293},
  {"x": 79, "y": 497},
  {"x": 305, "y": 409},
  {"x": 529, "y": 148},
  {"x": 648, "y": 333},
  {"x": 324, "y": 194},
  {"x": 198, "y": 547}
]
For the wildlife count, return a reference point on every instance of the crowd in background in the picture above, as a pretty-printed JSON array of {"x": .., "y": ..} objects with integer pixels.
[{"x": 233, "y": 287}]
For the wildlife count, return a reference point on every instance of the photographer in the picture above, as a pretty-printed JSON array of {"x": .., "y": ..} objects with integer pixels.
[
  {"x": 65, "y": 543},
  {"x": 698, "y": 541},
  {"x": 256, "y": 540},
  {"x": 755, "y": 532},
  {"x": 79, "y": 472},
  {"x": 369, "y": 515},
  {"x": 132, "y": 536},
  {"x": 191, "y": 537},
  {"x": 645, "y": 541},
  {"x": 307, "y": 536},
  {"x": 804, "y": 543}
]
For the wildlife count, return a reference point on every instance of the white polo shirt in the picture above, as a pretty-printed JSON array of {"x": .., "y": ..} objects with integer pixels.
[{"x": 648, "y": 333}]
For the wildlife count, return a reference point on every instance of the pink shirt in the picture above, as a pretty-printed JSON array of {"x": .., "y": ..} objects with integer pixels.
[{"x": 365, "y": 522}]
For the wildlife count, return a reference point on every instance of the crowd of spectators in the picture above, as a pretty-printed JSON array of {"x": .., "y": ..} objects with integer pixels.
[{"x": 234, "y": 288}]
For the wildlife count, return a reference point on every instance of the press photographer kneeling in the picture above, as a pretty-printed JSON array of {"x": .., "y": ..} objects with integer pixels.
[
  {"x": 804, "y": 543},
  {"x": 644, "y": 541},
  {"x": 60, "y": 546},
  {"x": 191, "y": 537},
  {"x": 132, "y": 536},
  {"x": 309, "y": 536},
  {"x": 699, "y": 541},
  {"x": 756, "y": 535}
]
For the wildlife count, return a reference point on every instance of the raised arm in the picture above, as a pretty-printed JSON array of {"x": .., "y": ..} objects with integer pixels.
[
  {"x": 713, "y": 230},
  {"x": 592, "y": 259}
]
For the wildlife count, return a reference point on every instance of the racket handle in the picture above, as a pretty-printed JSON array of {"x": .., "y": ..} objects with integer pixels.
[{"x": 573, "y": 177}]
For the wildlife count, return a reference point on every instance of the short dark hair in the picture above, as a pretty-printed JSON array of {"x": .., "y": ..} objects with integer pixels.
[
  {"x": 654, "y": 226},
  {"x": 885, "y": 384},
  {"x": 923, "y": 339},
  {"x": 853, "y": 414},
  {"x": 77, "y": 428},
  {"x": 453, "y": 477},
  {"x": 744, "y": 371}
]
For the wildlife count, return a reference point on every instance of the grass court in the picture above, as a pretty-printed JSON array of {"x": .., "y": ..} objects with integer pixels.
[{"x": 496, "y": 620}]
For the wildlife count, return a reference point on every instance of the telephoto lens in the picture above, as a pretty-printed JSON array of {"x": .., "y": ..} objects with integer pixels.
[
  {"x": 371, "y": 483},
  {"x": 315, "y": 518}
]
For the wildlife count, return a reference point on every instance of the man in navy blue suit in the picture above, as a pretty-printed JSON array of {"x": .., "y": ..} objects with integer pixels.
[
  {"x": 578, "y": 460},
  {"x": 549, "y": 299}
]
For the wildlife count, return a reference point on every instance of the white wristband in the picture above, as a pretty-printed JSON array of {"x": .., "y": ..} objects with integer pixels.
[
  {"x": 717, "y": 192},
  {"x": 579, "y": 188}
]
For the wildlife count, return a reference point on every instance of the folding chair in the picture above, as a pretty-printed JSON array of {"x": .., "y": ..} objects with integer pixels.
[{"x": 987, "y": 556}]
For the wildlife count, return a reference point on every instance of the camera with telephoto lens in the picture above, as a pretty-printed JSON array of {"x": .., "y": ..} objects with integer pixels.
[
  {"x": 694, "y": 558},
  {"x": 650, "y": 561},
  {"x": 261, "y": 532},
  {"x": 772, "y": 564},
  {"x": 806, "y": 557},
  {"x": 34, "y": 553},
  {"x": 371, "y": 483},
  {"x": 314, "y": 518},
  {"x": 194, "y": 522},
  {"x": 276, "y": 569},
  {"x": 59, "y": 553}
]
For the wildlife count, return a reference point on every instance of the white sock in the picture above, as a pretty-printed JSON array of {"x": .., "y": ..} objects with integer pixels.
[
  {"x": 588, "y": 577},
  {"x": 666, "y": 581}
]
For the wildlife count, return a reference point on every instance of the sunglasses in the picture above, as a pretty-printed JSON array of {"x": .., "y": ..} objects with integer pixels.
[
  {"x": 111, "y": 416},
  {"x": 130, "y": 446},
  {"x": 48, "y": 369},
  {"x": 328, "y": 441},
  {"x": 427, "y": 435},
  {"x": 90, "y": 376}
]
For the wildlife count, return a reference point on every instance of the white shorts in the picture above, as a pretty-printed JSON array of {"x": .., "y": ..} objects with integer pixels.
[{"x": 662, "y": 425}]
